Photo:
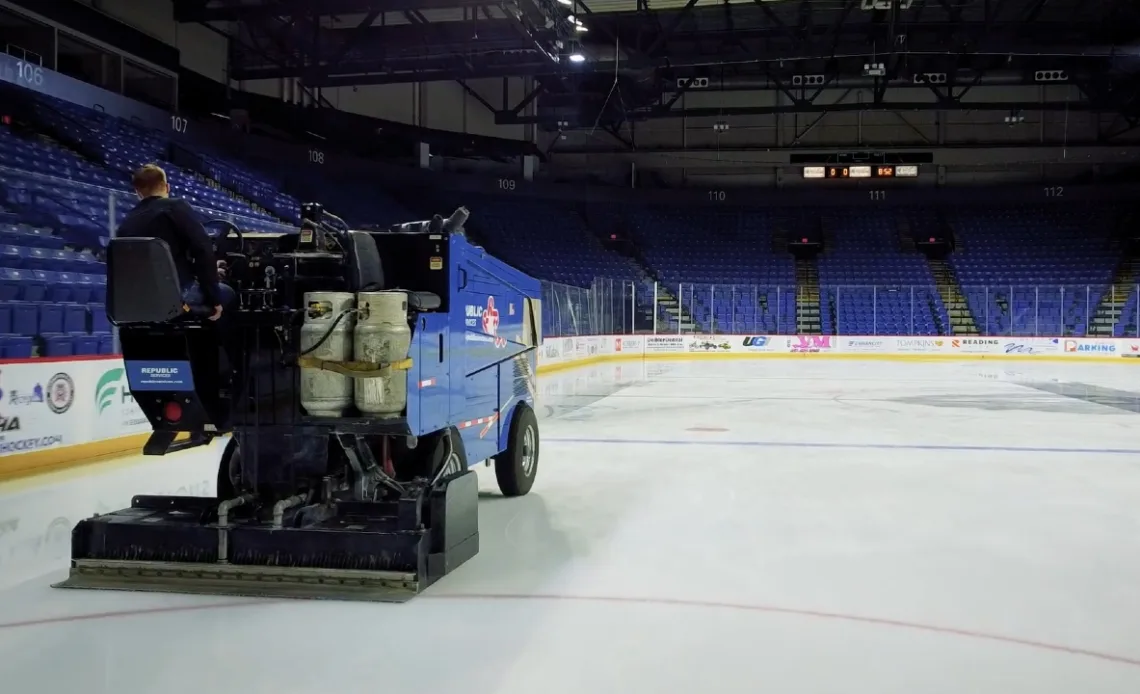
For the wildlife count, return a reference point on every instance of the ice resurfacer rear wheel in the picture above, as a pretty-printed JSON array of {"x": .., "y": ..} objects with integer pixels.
[
  {"x": 229, "y": 470},
  {"x": 517, "y": 465}
]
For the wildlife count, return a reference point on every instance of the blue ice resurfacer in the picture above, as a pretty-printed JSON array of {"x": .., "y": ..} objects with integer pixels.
[{"x": 361, "y": 374}]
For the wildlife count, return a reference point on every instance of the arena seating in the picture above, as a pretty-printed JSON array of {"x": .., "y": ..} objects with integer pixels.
[
  {"x": 1034, "y": 271},
  {"x": 1023, "y": 271},
  {"x": 551, "y": 240},
  {"x": 124, "y": 146},
  {"x": 718, "y": 259},
  {"x": 868, "y": 285},
  {"x": 52, "y": 293},
  {"x": 363, "y": 203},
  {"x": 58, "y": 208}
]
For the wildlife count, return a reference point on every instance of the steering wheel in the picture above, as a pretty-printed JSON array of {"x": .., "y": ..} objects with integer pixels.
[{"x": 223, "y": 246}]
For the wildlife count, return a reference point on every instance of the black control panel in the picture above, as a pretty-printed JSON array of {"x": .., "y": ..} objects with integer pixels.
[{"x": 273, "y": 271}]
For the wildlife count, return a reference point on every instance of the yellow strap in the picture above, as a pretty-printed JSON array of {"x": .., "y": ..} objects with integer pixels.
[{"x": 355, "y": 369}]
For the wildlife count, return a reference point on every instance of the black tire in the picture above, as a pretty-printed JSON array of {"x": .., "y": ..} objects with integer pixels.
[
  {"x": 229, "y": 470},
  {"x": 458, "y": 455},
  {"x": 517, "y": 466}
]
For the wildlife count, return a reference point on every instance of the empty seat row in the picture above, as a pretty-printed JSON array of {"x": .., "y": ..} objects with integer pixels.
[
  {"x": 44, "y": 285},
  {"x": 80, "y": 345},
  {"x": 39, "y": 318}
]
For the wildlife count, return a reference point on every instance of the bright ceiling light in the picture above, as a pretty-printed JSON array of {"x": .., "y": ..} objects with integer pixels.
[
  {"x": 580, "y": 28},
  {"x": 577, "y": 58}
]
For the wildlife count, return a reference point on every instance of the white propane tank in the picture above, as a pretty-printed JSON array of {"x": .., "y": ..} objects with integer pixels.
[
  {"x": 382, "y": 335},
  {"x": 324, "y": 393}
]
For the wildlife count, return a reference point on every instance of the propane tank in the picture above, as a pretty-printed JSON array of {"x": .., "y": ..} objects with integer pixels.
[
  {"x": 382, "y": 335},
  {"x": 324, "y": 393}
]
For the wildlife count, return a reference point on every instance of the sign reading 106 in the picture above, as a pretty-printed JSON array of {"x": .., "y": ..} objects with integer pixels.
[{"x": 29, "y": 74}]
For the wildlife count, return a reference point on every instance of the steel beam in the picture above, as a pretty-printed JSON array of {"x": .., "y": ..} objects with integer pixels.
[
  {"x": 476, "y": 96},
  {"x": 187, "y": 11},
  {"x": 353, "y": 38},
  {"x": 654, "y": 113},
  {"x": 947, "y": 105},
  {"x": 377, "y": 73},
  {"x": 973, "y": 154},
  {"x": 673, "y": 26},
  {"x": 536, "y": 92}
]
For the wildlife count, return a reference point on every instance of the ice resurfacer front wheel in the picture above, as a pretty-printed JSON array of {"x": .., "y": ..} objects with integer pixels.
[{"x": 517, "y": 465}]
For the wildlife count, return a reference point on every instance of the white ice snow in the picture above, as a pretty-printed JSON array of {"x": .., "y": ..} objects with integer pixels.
[{"x": 733, "y": 526}]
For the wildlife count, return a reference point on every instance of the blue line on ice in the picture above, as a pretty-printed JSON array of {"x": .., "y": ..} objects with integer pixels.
[{"x": 856, "y": 446}]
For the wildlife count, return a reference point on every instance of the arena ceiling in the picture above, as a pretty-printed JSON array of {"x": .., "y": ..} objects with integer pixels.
[{"x": 652, "y": 52}]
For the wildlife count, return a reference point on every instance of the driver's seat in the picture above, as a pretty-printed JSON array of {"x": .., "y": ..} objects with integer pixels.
[
  {"x": 144, "y": 299},
  {"x": 142, "y": 283}
]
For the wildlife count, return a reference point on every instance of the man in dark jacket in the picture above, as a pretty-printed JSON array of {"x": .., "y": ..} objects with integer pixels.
[{"x": 172, "y": 220}]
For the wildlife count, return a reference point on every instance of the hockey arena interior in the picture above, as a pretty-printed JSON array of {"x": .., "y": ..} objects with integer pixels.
[{"x": 577, "y": 345}]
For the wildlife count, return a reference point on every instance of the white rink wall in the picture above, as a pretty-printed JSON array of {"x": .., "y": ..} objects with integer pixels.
[
  {"x": 571, "y": 351},
  {"x": 55, "y": 413}
]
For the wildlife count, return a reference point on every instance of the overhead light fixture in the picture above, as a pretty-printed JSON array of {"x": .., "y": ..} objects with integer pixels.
[
  {"x": 580, "y": 28},
  {"x": 568, "y": 3},
  {"x": 577, "y": 58}
]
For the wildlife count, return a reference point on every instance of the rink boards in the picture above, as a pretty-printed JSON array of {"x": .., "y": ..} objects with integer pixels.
[
  {"x": 55, "y": 413},
  {"x": 566, "y": 352}
]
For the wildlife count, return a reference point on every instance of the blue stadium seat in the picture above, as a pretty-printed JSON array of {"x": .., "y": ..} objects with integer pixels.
[
  {"x": 50, "y": 318},
  {"x": 85, "y": 345},
  {"x": 75, "y": 319},
  {"x": 15, "y": 347},
  {"x": 99, "y": 322},
  {"x": 25, "y": 318},
  {"x": 59, "y": 346},
  {"x": 106, "y": 343}
]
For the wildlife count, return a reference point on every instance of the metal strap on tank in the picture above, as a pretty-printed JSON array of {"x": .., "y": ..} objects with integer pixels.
[{"x": 355, "y": 369}]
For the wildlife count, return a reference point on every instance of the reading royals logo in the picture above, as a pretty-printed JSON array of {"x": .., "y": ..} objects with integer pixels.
[{"x": 491, "y": 322}]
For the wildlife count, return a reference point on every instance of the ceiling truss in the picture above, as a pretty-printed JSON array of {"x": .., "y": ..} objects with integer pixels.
[{"x": 641, "y": 63}]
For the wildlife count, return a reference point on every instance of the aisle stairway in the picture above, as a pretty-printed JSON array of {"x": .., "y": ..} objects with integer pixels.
[
  {"x": 961, "y": 320},
  {"x": 1121, "y": 294},
  {"x": 906, "y": 234},
  {"x": 807, "y": 298}
]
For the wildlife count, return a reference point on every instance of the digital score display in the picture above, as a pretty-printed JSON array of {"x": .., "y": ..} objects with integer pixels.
[{"x": 877, "y": 171}]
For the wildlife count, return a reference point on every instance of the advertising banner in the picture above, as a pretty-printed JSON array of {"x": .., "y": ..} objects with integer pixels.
[
  {"x": 710, "y": 343},
  {"x": 664, "y": 344},
  {"x": 551, "y": 352},
  {"x": 811, "y": 343},
  {"x": 627, "y": 344},
  {"x": 1031, "y": 345},
  {"x": 863, "y": 345},
  {"x": 51, "y": 403},
  {"x": 113, "y": 406},
  {"x": 977, "y": 345},
  {"x": 756, "y": 343},
  {"x": 1089, "y": 348},
  {"x": 920, "y": 345},
  {"x": 37, "y": 407}
]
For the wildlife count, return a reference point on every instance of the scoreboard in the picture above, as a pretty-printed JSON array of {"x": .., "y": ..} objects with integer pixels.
[{"x": 862, "y": 171}]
